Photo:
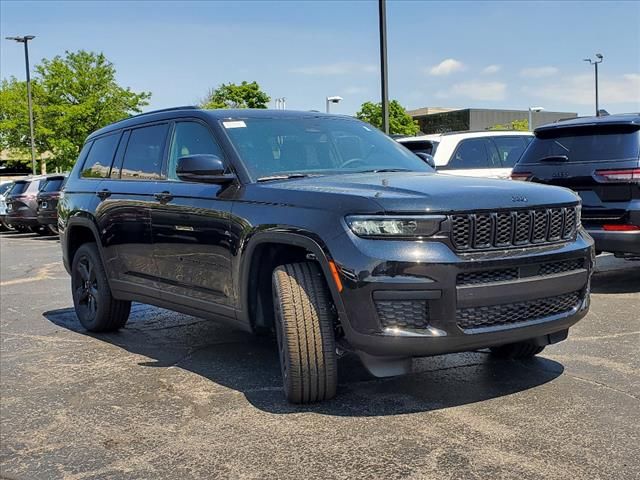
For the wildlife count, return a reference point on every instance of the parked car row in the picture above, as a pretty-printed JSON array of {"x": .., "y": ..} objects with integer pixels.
[
  {"x": 31, "y": 204},
  {"x": 597, "y": 157}
]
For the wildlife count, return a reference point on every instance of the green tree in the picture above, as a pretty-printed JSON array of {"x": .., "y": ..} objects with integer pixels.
[
  {"x": 399, "y": 121},
  {"x": 230, "y": 95},
  {"x": 73, "y": 95},
  {"x": 518, "y": 125}
]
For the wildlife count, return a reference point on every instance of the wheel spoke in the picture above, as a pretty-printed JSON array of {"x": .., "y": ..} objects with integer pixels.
[
  {"x": 83, "y": 270},
  {"x": 81, "y": 294}
]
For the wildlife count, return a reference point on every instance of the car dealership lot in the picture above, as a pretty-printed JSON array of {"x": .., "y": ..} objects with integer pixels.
[{"x": 172, "y": 396}]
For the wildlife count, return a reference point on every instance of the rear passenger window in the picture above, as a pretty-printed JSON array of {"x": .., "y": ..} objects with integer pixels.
[
  {"x": 510, "y": 149},
  {"x": 474, "y": 153},
  {"x": 143, "y": 157},
  {"x": 100, "y": 156}
]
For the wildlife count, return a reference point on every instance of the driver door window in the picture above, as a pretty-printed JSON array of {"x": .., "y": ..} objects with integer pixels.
[{"x": 190, "y": 138}]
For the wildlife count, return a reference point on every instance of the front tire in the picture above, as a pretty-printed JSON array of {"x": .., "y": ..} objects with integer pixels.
[
  {"x": 517, "y": 350},
  {"x": 304, "y": 320},
  {"x": 95, "y": 306}
]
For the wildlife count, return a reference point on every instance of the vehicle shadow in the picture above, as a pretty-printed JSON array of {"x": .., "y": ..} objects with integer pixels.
[
  {"x": 624, "y": 280},
  {"x": 249, "y": 364}
]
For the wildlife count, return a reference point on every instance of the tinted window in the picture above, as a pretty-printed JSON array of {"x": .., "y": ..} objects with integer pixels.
[
  {"x": 474, "y": 153},
  {"x": 52, "y": 185},
  {"x": 585, "y": 145},
  {"x": 510, "y": 149},
  {"x": 100, "y": 156},
  {"x": 316, "y": 145},
  {"x": 18, "y": 188},
  {"x": 143, "y": 157},
  {"x": 5, "y": 188},
  {"x": 190, "y": 138},
  {"x": 423, "y": 146}
]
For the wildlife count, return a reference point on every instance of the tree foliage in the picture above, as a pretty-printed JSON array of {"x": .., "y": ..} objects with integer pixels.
[
  {"x": 230, "y": 95},
  {"x": 73, "y": 95},
  {"x": 399, "y": 121},
  {"x": 517, "y": 125}
]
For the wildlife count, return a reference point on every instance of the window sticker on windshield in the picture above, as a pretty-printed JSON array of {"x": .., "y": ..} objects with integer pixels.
[{"x": 234, "y": 124}]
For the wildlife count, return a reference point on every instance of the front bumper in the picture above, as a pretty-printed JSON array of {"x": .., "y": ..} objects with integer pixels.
[
  {"x": 616, "y": 242},
  {"x": 426, "y": 277}
]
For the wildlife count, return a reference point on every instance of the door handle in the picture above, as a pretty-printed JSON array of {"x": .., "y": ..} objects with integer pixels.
[
  {"x": 163, "y": 196},
  {"x": 103, "y": 194}
]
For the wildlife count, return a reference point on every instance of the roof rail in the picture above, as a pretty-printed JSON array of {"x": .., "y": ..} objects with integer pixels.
[{"x": 170, "y": 109}]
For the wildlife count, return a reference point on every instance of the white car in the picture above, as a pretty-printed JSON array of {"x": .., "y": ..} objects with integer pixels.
[{"x": 490, "y": 154}]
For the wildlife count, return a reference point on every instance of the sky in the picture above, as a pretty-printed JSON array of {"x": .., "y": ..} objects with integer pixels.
[{"x": 501, "y": 54}]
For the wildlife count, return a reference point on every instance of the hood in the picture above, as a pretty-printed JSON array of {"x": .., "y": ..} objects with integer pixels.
[{"x": 421, "y": 192}]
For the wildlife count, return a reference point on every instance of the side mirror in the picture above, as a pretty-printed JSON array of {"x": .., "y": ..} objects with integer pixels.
[
  {"x": 428, "y": 159},
  {"x": 203, "y": 168}
]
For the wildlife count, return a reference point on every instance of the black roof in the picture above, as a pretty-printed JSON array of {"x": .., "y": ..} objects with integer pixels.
[
  {"x": 221, "y": 114},
  {"x": 616, "y": 119}
]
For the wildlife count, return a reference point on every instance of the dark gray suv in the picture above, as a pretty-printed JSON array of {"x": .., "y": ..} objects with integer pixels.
[{"x": 598, "y": 158}]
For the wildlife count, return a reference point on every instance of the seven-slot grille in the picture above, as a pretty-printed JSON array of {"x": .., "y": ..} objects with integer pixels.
[{"x": 483, "y": 231}]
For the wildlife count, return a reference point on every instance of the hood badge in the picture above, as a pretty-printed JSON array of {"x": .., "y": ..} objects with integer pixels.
[{"x": 518, "y": 198}]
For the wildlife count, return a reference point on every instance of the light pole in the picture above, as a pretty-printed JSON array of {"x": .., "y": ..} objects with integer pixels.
[
  {"x": 281, "y": 103},
  {"x": 595, "y": 63},
  {"x": 25, "y": 40},
  {"x": 531, "y": 110},
  {"x": 331, "y": 100},
  {"x": 382, "y": 18}
]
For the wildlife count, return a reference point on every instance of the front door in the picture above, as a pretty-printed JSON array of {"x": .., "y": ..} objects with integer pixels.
[{"x": 190, "y": 224}]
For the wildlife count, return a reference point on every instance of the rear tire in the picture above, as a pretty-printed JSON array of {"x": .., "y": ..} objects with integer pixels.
[
  {"x": 95, "y": 307},
  {"x": 304, "y": 323},
  {"x": 517, "y": 350}
]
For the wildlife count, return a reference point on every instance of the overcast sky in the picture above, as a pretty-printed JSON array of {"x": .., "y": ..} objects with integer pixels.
[{"x": 453, "y": 54}]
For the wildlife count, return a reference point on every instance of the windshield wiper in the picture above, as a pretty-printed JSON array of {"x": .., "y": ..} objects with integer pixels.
[
  {"x": 386, "y": 170},
  {"x": 287, "y": 176},
  {"x": 555, "y": 158}
]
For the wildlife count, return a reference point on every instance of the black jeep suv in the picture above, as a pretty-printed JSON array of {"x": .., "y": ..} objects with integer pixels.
[
  {"x": 324, "y": 229},
  {"x": 599, "y": 158}
]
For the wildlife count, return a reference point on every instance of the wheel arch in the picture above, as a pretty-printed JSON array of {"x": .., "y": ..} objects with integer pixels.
[
  {"x": 258, "y": 260},
  {"x": 79, "y": 230}
]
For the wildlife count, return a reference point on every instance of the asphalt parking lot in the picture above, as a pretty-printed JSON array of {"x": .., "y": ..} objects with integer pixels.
[{"x": 173, "y": 396}]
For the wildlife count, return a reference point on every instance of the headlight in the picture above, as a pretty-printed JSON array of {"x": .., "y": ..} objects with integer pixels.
[{"x": 395, "y": 227}]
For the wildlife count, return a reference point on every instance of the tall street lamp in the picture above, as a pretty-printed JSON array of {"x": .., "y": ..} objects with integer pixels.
[
  {"x": 25, "y": 40},
  {"x": 531, "y": 110},
  {"x": 331, "y": 100},
  {"x": 382, "y": 18},
  {"x": 595, "y": 63}
]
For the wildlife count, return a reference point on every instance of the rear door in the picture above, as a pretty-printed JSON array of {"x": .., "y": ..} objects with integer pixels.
[
  {"x": 124, "y": 214},
  {"x": 596, "y": 161},
  {"x": 474, "y": 157}
]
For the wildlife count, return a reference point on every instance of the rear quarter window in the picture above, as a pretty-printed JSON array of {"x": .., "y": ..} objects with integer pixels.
[
  {"x": 587, "y": 144},
  {"x": 100, "y": 157}
]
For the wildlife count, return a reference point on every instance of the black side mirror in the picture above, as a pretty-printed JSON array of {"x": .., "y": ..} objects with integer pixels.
[
  {"x": 203, "y": 168},
  {"x": 426, "y": 158}
]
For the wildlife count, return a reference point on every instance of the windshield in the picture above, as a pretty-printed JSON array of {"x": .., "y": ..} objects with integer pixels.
[
  {"x": 316, "y": 145},
  {"x": 584, "y": 145},
  {"x": 52, "y": 185}
]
